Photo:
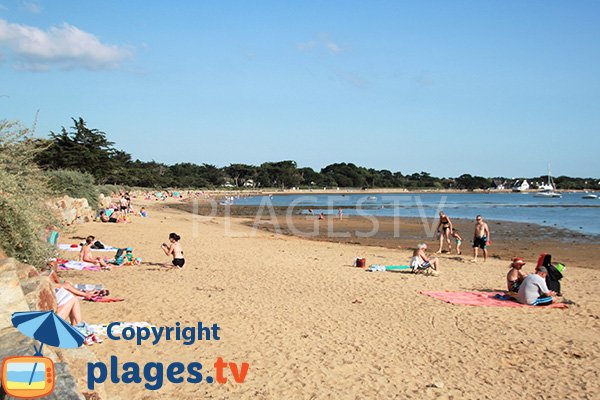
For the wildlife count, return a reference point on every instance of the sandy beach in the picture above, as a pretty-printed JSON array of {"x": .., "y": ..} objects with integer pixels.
[{"x": 311, "y": 326}]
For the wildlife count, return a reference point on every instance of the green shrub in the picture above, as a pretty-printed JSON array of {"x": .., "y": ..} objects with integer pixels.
[
  {"x": 24, "y": 191},
  {"x": 75, "y": 184},
  {"x": 108, "y": 190}
]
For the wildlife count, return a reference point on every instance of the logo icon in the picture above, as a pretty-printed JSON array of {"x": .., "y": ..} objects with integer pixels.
[
  {"x": 33, "y": 376},
  {"x": 27, "y": 377}
]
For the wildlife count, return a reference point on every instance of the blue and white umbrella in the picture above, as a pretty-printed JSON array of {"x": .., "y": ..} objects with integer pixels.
[{"x": 48, "y": 328}]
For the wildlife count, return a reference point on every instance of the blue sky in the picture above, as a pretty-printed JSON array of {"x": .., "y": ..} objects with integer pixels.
[{"x": 482, "y": 87}]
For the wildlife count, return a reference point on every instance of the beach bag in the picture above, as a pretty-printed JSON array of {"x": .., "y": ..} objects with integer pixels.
[
  {"x": 119, "y": 257},
  {"x": 360, "y": 262},
  {"x": 554, "y": 274},
  {"x": 98, "y": 245}
]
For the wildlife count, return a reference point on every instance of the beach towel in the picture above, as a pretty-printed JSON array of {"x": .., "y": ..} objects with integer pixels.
[
  {"x": 100, "y": 329},
  {"x": 383, "y": 268},
  {"x": 105, "y": 299},
  {"x": 76, "y": 247},
  {"x": 86, "y": 287},
  {"x": 79, "y": 266},
  {"x": 484, "y": 299}
]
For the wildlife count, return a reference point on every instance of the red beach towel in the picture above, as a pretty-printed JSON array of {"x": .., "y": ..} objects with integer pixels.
[{"x": 482, "y": 299}]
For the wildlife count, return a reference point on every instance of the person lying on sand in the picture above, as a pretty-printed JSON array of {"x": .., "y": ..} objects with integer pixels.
[
  {"x": 420, "y": 261},
  {"x": 515, "y": 277},
  {"x": 87, "y": 256},
  {"x": 174, "y": 250},
  {"x": 533, "y": 290},
  {"x": 61, "y": 283}
]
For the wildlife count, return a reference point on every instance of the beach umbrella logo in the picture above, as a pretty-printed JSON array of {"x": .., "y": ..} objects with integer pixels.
[{"x": 33, "y": 376}]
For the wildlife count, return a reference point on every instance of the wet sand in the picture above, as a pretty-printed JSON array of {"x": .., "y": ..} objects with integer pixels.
[{"x": 508, "y": 239}]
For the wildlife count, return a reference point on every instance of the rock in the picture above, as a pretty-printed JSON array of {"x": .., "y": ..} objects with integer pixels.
[
  {"x": 42, "y": 296},
  {"x": 25, "y": 271}
]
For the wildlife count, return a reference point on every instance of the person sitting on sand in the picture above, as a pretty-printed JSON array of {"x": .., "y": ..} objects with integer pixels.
[
  {"x": 143, "y": 212},
  {"x": 174, "y": 250},
  {"x": 108, "y": 215},
  {"x": 481, "y": 238},
  {"x": 533, "y": 290},
  {"x": 458, "y": 239},
  {"x": 515, "y": 277},
  {"x": 420, "y": 261},
  {"x": 87, "y": 256},
  {"x": 446, "y": 227}
]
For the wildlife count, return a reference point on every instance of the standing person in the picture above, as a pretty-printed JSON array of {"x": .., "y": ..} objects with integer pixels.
[
  {"x": 481, "y": 238},
  {"x": 86, "y": 254},
  {"x": 444, "y": 228},
  {"x": 340, "y": 214},
  {"x": 458, "y": 239},
  {"x": 124, "y": 205},
  {"x": 174, "y": 250},
  {"x": 533, "y": 290}
]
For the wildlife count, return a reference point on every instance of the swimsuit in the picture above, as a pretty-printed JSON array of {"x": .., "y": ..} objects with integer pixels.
[
  {"x": 480, "y": 242},
  {"x": 178, "y": 262}
]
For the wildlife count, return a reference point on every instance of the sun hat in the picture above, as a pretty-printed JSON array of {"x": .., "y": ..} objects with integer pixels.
[{"x": 518, "y": 261}]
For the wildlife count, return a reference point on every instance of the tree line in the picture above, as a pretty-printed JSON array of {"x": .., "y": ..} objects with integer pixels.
[{"x": 88, "y": 150}]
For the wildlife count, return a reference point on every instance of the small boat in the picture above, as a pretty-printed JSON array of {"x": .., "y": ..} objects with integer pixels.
[
  {"x": 548, "y": 190},
  {"x": 589, "y": 195},
  {"x": 371, "y": 198}
]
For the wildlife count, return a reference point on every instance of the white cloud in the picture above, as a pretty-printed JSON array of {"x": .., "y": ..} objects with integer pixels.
[
  {"x": 32, "y": 7},
  {"x": 65, "y": 47},
  {"x": 333, "y": 47},
  {"x": 322, "y": 42}
]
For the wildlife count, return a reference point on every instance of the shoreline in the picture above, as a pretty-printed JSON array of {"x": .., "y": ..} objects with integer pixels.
[{"x": 509, "y": 239}]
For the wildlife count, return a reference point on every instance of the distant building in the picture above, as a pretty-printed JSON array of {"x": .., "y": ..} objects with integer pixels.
[{"x": 520, "y": 186}]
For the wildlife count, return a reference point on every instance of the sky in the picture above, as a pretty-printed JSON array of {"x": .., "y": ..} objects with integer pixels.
[{"x": 489, "y": 88}]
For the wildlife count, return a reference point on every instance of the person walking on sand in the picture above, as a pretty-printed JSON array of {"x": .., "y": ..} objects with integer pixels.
[
  {"x": 340, "y": 214},
  {"x": 481, "y": 238},
  {"x": 175, "y": 250},
  {"x": 458, "y": 239},
  {"x": 444, "y": 228}
]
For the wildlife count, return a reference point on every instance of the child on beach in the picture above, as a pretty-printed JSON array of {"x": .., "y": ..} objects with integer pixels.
[
  {"x": 458, "y": 239},
  {"x": 174, "y": 250}
]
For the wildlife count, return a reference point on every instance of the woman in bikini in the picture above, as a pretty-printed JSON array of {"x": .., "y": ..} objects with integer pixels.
[
  {"x": 444, "y": 228},
  {"x": 174, "y": 250}
]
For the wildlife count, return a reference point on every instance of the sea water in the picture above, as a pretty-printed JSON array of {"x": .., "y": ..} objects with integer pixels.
[{"x": 569, "y": 212}]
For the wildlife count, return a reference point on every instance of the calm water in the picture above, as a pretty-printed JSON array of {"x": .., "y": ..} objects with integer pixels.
[{"x": 570, "y": 211}]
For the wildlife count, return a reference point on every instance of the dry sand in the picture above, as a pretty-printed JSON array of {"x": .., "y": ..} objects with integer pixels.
[{"x": 313, "y": 327}]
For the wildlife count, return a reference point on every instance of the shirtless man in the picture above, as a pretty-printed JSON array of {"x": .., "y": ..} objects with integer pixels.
[
  {"x": 481, "y": 238},
  {"x": 87, "y": 256}
]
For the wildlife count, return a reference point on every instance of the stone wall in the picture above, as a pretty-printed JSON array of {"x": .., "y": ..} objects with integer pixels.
[
  {"x": 22, "y": 288},
  {"x": 73, "y": 211}
]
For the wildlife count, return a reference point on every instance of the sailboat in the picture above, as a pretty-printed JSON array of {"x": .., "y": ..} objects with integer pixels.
[{"x": 548, "y": 189}]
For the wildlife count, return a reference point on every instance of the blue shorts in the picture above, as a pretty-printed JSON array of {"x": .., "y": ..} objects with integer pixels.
[{"x": 542, "y": 301}]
